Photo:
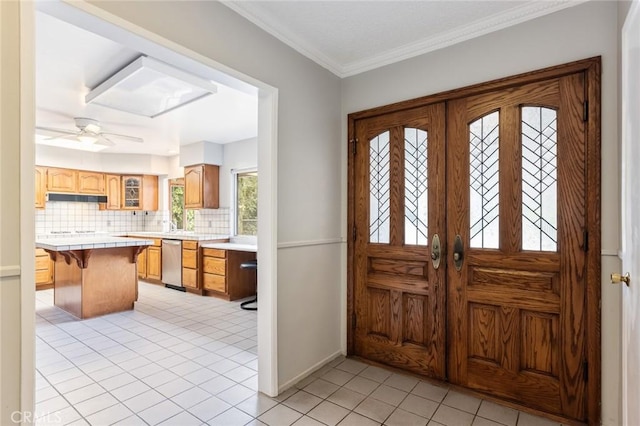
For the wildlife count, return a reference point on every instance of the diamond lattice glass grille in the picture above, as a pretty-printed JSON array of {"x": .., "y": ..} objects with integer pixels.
[
  {"x": 484, "y": 182},
  {"x": 539, "y": 179},
  {"x": 415, "y": 187},
  {"x": 379, "y": 197}
]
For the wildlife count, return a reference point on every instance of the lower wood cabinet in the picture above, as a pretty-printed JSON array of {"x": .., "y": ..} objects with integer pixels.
[
  {"x": 44, "y": 270},
  {"x": 223, "y": 277},
  {"x": 150, "y": 261},
  {"x": 190, "y": 265}
]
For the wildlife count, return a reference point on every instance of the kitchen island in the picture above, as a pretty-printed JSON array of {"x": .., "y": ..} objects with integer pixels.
[{"x": 94, "y": 275}]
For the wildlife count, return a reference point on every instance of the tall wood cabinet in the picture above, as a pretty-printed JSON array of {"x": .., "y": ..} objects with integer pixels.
[{"x": 201, "y": 186}]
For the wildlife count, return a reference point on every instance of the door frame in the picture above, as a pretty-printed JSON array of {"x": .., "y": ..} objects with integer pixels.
[{"x": 592, "y": 69}]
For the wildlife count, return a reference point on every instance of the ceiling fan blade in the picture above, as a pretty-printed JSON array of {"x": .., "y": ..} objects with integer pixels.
[
  {"x": 56, "y": 130},
  {"x": 72, "y": 137},
  {"x": 105, "y": 141},
  {"x": 126, "y": 137}
]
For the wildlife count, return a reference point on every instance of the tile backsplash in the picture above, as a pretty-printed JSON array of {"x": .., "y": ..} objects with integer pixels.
[{"x": 64, "y": 216}]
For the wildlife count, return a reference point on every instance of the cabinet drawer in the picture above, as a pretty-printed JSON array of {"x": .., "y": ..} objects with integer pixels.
[
  {"x": 214, "y": 282},
  {"x": 43, "y": 276},
  {"x": 42, "y": 262},
  {"x": 214, "y": 252},
  {"x": 157, "y": 242},
  {"x": 214, "y": 265},
  {"x": 189, "y": 259},
  {"x": 189, "y": 278},
  {"x": 191, "y": 245}
]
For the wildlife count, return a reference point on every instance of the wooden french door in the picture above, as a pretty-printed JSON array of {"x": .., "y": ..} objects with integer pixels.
[
  {"x": 506, "y": 302},
  {"x": 399, "y": 185},
  {"x": 516, "y": 185}
]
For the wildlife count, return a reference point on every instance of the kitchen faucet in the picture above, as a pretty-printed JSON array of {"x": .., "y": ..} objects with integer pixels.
[{"x": 172, "y": 226}]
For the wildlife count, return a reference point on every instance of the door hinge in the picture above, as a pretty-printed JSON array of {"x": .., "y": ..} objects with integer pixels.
[
  {"x": 354, "y": 320},
  {"x": 354, "y": 234},
  {"x": 585, "y": 111},
  {"x": 585, "y": 240},
  {"x": 585, "y": 371}
]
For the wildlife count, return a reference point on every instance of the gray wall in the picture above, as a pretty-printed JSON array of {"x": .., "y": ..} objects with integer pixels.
[{"x": 576, "y": 33}]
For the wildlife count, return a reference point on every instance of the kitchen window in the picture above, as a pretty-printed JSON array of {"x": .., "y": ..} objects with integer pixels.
[
  {"x": 181, "y": 218},
  {"x": 245, "y": 189}
]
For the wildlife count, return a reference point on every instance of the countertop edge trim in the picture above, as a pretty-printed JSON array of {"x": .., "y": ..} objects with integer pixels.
[
  {"x": 310, "y": 243},
  {"x": 9, "y": 271}
]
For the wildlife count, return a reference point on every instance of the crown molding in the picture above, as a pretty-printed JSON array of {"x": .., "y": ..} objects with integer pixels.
[
  {"x": 287, "y": 37},
  {"x": 497, "y": 22}
]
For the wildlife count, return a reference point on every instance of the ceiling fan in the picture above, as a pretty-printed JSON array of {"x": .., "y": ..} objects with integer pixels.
[{"x": 89, "y": 131}]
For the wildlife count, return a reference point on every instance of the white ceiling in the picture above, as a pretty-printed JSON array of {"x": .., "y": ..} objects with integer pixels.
[
  {"x": 70, "y": 61},
  {"x": 350, "y": 37},
  {"x": 346, "y": 37}
]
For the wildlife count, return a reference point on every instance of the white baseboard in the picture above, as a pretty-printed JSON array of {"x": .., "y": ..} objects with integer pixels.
[{"x": 309, "y": 371}]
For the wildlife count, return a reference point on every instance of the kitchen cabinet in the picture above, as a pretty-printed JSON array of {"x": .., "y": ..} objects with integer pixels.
[
  {"x": 62, "y": 180},
  {"x": 190, "y": 265},
  {"x": 44, "y": 270},
  {"x": 201, "y": 186},
  {"x": 41, "y": 186},
  {"x": 112, "y": 190},
  {"x": 154, "y": 261},
  {"x": 150, "y": 260},
  {"x": 223, "y": 277},
  {"x": 139, "y": 192},
  {"x": 90, "y": 182}
]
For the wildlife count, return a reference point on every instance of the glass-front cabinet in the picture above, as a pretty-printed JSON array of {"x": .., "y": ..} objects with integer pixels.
[{"x": 131, "y": 192}]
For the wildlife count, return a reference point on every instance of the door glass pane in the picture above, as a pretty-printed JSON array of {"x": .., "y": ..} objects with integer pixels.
[
  {"x": 415, "y": 187},
  {"x": 379, "y": 200},
  {"x": 539, "y": 179},
  {"x": 484, "y": 179}
]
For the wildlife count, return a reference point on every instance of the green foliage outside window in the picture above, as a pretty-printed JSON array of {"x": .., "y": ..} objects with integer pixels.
[
  {"x": 247, "y": 203},
  {"x": 178, "y": 212}
]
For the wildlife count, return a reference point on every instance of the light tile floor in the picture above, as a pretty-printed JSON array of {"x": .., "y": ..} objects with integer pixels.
[{"x": 179, "y": 359}]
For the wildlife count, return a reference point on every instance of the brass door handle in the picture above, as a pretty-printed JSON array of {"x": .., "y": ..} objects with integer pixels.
[
  {"x": 435, "y": 251},
  {"x": 617, "y": 278}
]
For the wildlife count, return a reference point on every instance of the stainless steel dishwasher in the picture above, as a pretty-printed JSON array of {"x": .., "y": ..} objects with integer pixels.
[{"x": 172, "y": 264}]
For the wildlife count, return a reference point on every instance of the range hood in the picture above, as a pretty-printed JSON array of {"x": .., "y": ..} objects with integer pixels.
[{"x": 78, "y": 198}]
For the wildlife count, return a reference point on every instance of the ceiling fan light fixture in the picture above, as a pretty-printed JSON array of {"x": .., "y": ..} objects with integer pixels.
[
  {"x": 150, "y": 88},
  {"x": 88, "y": 139}
]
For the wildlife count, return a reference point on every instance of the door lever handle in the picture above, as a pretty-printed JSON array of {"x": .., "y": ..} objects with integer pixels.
[{"x": 617, "y": 279}]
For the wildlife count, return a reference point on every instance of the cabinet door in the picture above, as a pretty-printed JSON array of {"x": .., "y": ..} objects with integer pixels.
[
  {"x": 154, "y": 263},
  {"x": 149, "y": 194},
  {"x": 193, "y": 188},
  {"x": 131, "y": 192},
  {"x": 201, "y": 187},
  {"x": 44, "y": 270},
  {"x": 90, "y": 183},
  {"x": 61, "y": 180},
  {"x": 113, "y": 192},
  {"x": 41, "y": 186},
  {"x": 142, "y": 264}
]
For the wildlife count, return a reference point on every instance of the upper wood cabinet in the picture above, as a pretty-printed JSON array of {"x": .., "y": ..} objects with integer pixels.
[
  {"x": 62, "y": 180},
  {"x": 90, "y": 182},
  {"x": 201, "y": 187},
  {"x": 139, "y": 192},
  {"x": 112, "y": 189},
  {"x": 41, "y": 186}
]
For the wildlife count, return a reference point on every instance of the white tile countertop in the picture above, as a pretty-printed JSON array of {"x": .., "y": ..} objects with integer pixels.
[
  {"x": 88, "y": 242},
  {"x": 180, "y": 235},
  {"x": 231, "y": 246}
]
